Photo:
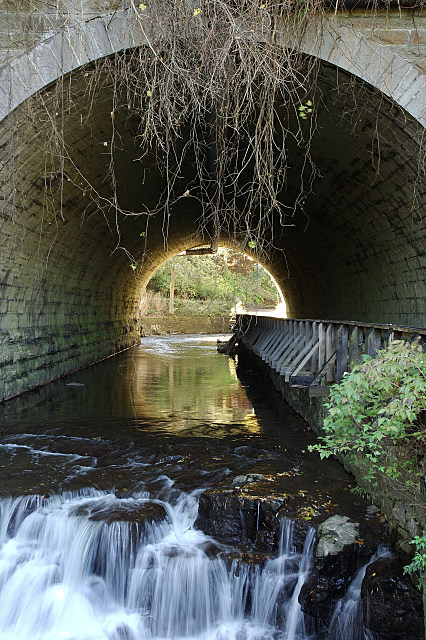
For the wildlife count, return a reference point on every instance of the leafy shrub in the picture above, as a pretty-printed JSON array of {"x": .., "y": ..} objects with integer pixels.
[
  {"x": 378, "y": 405},
  {"x": 418, "y": 563}
]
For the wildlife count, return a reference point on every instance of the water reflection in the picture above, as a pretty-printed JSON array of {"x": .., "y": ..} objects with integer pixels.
[
  {"x": 165, "y": 384},
  {"x": 169, "y": 413},
  {"x": 183, "y": 387}
]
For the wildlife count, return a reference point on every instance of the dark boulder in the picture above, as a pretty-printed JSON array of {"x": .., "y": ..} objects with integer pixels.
[
  {"x": 134, "y": 512},
  {"x": 327, "y": 584},
  {"x": 392, "y": 605},
  {"x": 249, "y": 521},
  {"x": 137, "y": 513},
  {"x": 338, "y": 556}
]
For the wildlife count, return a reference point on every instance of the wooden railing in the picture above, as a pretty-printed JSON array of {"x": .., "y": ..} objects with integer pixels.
[{"x": 315, "y": 353}]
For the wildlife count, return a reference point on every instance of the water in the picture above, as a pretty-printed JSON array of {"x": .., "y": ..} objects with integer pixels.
[
  {"x": 100, "y": 488},
  {"x": 64, "y": 575},
  {"x": 347, "y": 621}
]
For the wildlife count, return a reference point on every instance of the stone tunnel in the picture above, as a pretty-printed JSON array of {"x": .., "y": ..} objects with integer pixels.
[{"x": 68, "y": 293}]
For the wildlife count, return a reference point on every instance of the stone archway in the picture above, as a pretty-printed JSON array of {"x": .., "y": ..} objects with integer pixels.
[{"x": 68, "y": 294}]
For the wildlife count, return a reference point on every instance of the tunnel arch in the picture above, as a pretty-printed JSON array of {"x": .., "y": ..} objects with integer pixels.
[
  {"x": 68, "y": 293},
  {"x": 330, "y": 38}
]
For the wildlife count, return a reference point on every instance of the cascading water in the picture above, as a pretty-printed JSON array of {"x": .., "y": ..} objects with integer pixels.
[
  {"x": 125, "y": 561},
  {"x": 66, "y": 574},
  {"x": 347, "y": 620}
]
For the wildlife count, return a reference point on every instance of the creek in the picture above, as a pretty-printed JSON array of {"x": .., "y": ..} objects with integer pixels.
[{"x": 158, "y": 494}]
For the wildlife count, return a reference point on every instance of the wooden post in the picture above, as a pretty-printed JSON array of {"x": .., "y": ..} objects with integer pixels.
[
  {"x": 356, "y": 341},
  {"x": 308, "y": 336},
  {"x": 172, "y": 291},
  {"x": 313, "y": 365},
  {"x": 389, "y": 337},
  {"x": 329, "y": 350},
  {"x": 342, "y": 352},
  {"x": 321, "y": 349},
  {"x": 373, "y": 342}
]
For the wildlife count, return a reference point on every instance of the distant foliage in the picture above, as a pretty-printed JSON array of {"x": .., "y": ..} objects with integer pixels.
[
  {"x": 227, "y": 276},
  {"x": 376, "y": 407}
]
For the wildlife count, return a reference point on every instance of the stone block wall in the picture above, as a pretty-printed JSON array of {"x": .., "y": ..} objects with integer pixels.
[{"x": 68, "y": 292}]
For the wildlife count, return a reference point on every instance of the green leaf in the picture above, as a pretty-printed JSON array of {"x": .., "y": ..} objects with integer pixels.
[{"x": 133, "y": 266}]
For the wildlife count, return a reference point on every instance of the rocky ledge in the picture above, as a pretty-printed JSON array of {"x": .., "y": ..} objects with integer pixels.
[{"x": 251, "y": 520}]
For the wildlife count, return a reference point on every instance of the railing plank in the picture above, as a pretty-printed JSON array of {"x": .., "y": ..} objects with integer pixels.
[
  {"x": 342, "y": 352},
  {"x": 373, "y": 342},
  {"x": 329, "y": 350},
  {"x": 325, "y": 348}
]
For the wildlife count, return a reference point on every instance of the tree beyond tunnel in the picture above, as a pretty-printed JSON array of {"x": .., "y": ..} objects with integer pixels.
[{"x": 315, "y": 172}]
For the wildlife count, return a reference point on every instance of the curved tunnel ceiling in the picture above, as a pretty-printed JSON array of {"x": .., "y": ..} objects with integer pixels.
[{"x": 69, "y": 294}]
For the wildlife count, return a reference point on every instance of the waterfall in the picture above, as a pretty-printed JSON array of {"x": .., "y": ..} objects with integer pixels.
[
  {"x": 68, "y": 574},
  {"x": 278, "y": 585},
  {"x": 295, "y": 618},
  {"x": 68, "y": 571},
  {"x": 347, "y": 621}
]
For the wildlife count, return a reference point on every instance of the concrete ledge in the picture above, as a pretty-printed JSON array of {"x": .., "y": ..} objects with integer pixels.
[{"x": 163, "y": 325}]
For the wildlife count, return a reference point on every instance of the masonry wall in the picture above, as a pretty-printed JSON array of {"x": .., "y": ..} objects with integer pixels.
[{"x": 69, "y": 293}]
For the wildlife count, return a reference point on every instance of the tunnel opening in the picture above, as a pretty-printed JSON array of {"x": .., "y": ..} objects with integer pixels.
[
  {"x": 202, "y": 281},
  {"x": 81, "y": 209}
]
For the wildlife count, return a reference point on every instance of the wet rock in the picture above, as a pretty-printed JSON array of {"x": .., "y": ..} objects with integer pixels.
[
  {"x": 392, "y": 605},
  {"x": 240, "y": 481},
  {"x": 265, "y": 540},
  {"x": 212, "y": 549},
  {"x": 253, "y": 521},
  {"x": 335, "y": 534},
  {"x": 236, "y": 559},
  {"x": 227, "y": 517},
  {"x": 137, "y": 513},
  {"x": 328, "y": 583},
  {"x": 372, "y": 509},
  {"x": 337, "y": 559}
]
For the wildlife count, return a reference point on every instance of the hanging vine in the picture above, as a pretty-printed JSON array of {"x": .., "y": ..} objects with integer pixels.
[
  {"x": 211, "y": 85},
  {"x": 214, "y": 68},
  {"x": 213, "y": 75}
]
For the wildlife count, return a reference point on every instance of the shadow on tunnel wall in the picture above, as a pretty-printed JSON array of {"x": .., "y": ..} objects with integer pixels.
[{"x": 69, "y": 292}]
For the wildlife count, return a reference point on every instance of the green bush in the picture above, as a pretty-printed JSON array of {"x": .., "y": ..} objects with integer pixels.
[
  {"x": 418, "y": 563},
  {"x": 377, "y": 406}
]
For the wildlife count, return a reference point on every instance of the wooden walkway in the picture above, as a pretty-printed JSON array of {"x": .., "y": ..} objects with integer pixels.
[{"x": 315, "y": 353}]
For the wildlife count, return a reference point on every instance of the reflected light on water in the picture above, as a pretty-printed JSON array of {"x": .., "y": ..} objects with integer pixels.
[
  {"x": 251, "y": 423},
  {"x": 232, "y": 369},
  {"x": 176, "y": 391}
]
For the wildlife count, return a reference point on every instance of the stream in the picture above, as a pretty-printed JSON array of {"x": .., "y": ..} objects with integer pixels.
[{"x": 102, "y": 479}]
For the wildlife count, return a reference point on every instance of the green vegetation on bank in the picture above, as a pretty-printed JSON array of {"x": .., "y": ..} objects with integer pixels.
[
  {"x": 210, "y": 285},
  {"x": 376, "y": 410},
  {"x": 375, "y": 417},
  {"x": 418, "y": 564}
]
